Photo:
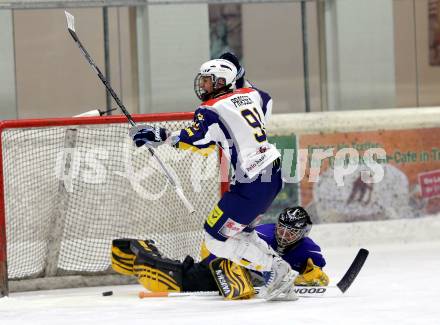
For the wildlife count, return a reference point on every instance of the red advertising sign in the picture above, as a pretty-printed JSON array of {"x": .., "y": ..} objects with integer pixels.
[{"x": 430, "y": 183}]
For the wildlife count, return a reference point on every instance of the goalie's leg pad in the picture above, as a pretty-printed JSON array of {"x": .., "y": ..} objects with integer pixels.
[
  {"x": 122, "y": 256},
  {"x": 232, "y": 279},
  {"x": 154, "y": 272}
]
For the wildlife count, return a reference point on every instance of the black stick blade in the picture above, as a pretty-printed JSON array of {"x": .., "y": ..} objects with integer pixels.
[{"x": 353, "y": 270}]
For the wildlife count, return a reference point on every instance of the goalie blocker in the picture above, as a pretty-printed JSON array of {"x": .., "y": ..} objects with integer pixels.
[{"x": 156, "y": 273}]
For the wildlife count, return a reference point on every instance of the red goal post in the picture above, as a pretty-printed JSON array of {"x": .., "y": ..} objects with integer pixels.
[{"x": 68, "y": 186}]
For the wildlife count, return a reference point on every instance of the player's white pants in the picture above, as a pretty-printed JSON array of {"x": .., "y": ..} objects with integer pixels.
[{"x": 246, "y": 249}]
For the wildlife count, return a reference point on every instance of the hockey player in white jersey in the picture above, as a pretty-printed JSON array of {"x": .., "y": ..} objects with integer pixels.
[{"x": 235, "y": 120}]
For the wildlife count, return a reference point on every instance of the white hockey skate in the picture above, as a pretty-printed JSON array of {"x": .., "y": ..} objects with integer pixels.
[{"x": 279, "y": 282}]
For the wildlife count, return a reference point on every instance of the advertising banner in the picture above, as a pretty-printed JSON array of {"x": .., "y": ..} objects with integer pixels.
[{"x": 375, "y": 175}]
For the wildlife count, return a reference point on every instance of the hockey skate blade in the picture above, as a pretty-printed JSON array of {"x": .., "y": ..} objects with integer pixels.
[
  {"x": 280, "y": 295},
  {"x": 284, "y": 289},
  {"x": 285, "y": 297},
  {"x": 288, "y": 295}
]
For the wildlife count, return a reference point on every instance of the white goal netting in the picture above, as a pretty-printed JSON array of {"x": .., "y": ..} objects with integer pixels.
[{"x": 70, "y": 189}]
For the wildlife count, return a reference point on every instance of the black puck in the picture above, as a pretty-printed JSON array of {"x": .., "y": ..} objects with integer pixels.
[{"x": 107, "y": 293}]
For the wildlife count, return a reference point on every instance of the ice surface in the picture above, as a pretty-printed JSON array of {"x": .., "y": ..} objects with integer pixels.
[{"x": 399, "y": 284}]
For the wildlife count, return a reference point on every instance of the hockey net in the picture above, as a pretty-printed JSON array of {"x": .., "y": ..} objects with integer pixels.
[{"x": 70, "y": 186}]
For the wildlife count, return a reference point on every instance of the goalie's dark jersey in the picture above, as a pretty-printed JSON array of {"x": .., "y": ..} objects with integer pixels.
[{"x": 296, "y": 256}]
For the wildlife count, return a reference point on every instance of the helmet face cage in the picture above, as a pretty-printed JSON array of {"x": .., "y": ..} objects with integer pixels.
[
  {"x": 218, "y": 84},
  {"x": 222, "y": 73},
  {"x": 293, "y": 224},
  {"x": 200, "y": 92}
]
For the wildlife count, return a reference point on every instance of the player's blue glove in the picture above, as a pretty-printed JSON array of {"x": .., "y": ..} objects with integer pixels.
[{"x": 152, "y": 136}]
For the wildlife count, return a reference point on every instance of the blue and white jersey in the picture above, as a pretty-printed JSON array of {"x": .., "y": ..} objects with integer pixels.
[{"x": 235, "y": 122}]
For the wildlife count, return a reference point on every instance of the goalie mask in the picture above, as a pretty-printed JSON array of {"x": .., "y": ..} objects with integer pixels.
[
  {"x": 293, "y": 224},
  {"x": 216, "y": 77}
]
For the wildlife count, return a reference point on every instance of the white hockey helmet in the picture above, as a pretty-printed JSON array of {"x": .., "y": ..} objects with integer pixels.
[{"x": 223, "y": 75}]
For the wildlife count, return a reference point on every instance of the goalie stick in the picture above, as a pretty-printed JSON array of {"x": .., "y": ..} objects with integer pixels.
[
  {"x": 301, "y": 291},
  {"x": 71, "y": 28}
]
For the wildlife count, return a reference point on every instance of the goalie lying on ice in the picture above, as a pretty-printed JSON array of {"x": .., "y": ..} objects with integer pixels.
[{"x": 288, "y": 237}]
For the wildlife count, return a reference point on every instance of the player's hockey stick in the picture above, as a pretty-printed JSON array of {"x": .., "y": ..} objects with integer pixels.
[
  {"x": 71, "y": 28},
  {"x": 95, "y": 112},
  {"x": 330, "y": 291}
]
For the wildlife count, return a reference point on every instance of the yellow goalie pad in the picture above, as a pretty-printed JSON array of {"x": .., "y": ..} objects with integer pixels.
[
  {"x": 143, "y": 260},
  {"x": 312, "y": 276},
  {"x": 232, "y": 279},
  {"x": 154, "y": 272},
  {"x": 156, "y": 280},
  {"x": 122, "y": 257}
]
